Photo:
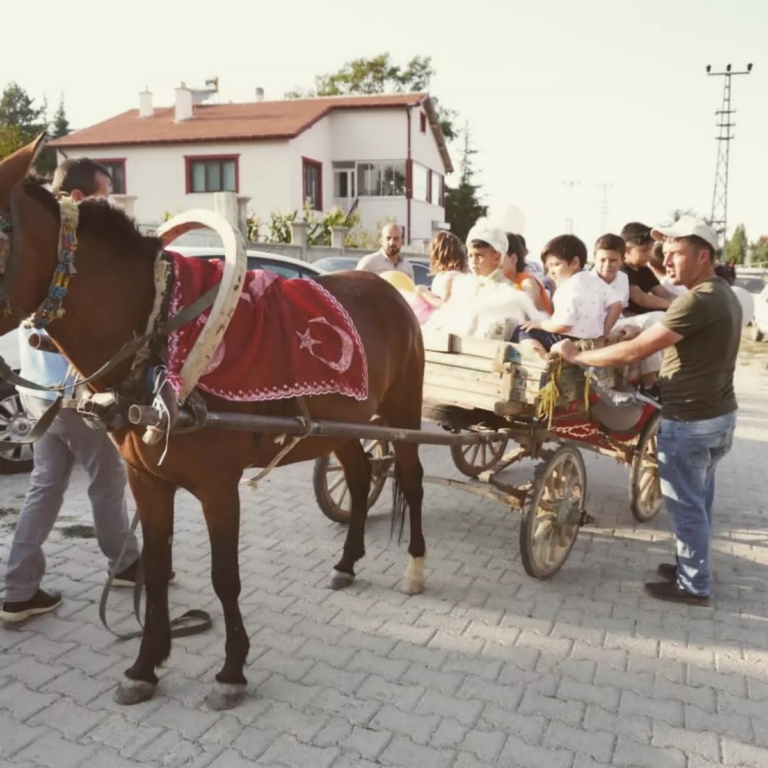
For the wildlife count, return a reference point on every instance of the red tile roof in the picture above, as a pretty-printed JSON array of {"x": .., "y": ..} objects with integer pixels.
[{"x": 253, "y": 121}]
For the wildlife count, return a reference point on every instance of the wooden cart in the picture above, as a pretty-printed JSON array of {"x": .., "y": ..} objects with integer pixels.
[{"x": 499, "y": 389}]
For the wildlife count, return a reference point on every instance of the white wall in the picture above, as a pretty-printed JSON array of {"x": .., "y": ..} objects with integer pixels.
[
  {"x": 376, "y": 210},
  {"x": 314, "y": 144},
  {"x": 156, "y": 176},
  {"x": 369, "y": 134},
  {"x": 424, "y": 147},
  {"x": 422, "y": 216}
]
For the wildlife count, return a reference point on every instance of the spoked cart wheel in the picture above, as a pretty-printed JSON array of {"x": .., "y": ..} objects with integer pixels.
[
  {"x": 331, "y": 491},
  {"x": 472, "y": 460},
  {"x": 553, "y": 513},
  {"x": 644, "y": 486}
]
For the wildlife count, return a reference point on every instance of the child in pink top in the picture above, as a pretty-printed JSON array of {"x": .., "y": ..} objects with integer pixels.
[{"x": 447, "y": 259}]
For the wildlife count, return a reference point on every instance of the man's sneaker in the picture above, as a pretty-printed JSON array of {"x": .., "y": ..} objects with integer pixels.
[
  {"x": 650, "y": 395},
  {"x": 666, "y": 590},
  {"x": 127, "y": 578},
  {"x": 667, "y": 571},
  {"x": 40, "y": 602}
]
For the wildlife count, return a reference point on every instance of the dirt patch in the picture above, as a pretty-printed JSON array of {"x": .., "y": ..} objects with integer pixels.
[
  {"x": 78, "y": 532},
  {"x": 8, "y": 511}
]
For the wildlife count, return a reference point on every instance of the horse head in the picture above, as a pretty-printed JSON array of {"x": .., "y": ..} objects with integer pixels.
[{"x": 28, "y": 234}]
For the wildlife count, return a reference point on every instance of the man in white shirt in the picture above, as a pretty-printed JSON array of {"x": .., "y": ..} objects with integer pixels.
[{"x": 388, "y": 257}]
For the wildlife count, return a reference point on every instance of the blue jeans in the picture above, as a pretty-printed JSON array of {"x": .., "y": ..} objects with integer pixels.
[{"x": 688, "y": 453}]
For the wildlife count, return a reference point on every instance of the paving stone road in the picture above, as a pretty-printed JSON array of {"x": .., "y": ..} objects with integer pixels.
[{"x": 487, "y": 668}]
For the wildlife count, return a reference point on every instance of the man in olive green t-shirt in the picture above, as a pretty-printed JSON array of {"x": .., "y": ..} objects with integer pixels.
[{"x": 700, "y": 336}]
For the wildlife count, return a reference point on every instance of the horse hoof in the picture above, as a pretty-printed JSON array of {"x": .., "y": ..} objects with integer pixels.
[
  {"x": 225, "y": 696},
  {"x": 134, "y": 692},
  {"x": 340, "y": 580},
  {"x": 412, "y": 586}
]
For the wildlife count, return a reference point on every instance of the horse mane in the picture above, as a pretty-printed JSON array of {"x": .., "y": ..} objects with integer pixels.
[{"x": 98, "y": 217}]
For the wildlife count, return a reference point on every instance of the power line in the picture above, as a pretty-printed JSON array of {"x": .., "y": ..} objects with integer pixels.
[
  {"x": 569, "y": 220},
  {"x": 719, "y": 217},
  {"x": 604, "y": 206}
]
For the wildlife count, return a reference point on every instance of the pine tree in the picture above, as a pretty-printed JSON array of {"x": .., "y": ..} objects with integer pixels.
[
  {"x": 60, "y": 125},
  {"x": 462, "y": 203},
  {"x": 736, "y": 247}
]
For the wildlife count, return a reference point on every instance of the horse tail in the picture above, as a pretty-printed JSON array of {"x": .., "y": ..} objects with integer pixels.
[{"x": 399, "y": 505}]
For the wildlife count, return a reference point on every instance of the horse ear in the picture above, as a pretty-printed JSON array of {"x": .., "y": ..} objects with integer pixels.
[{"x": 16, "y": 166}]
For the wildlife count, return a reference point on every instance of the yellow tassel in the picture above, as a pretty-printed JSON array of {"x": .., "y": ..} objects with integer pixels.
[{"x": 549, "y": 395}]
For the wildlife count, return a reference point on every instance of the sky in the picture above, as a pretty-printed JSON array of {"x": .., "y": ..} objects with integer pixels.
[{"x": 604, "y": 93}]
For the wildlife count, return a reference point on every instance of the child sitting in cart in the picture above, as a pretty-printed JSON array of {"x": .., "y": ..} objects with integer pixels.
[
  {"x": 585, "y": 306},
  {"x": 447, "y": 260}
]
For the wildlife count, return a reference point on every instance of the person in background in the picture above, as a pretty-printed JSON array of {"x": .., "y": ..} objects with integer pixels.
[
  {"x": 700, "y": 337},
  {"x": 514, "y": 269},
  {"x": 585, "y": 306},
  {"x": 68, "y": 441},
  {"x": 656, "y": 263},
  {"x": 388, "y": 257},
  {"x": 646, "y": 294}
]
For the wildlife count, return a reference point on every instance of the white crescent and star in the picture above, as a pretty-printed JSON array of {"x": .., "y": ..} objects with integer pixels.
[{"x": 347, "y": 345}]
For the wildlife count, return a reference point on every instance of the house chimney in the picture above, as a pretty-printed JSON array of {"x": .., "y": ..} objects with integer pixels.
[
  {"x": 183, "y": 110},
  {"x": 259, "y": 94},
  {"x": 145, "y": 104}
]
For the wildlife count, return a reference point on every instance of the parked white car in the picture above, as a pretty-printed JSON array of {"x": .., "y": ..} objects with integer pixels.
[{"x": 760, "y": 320}]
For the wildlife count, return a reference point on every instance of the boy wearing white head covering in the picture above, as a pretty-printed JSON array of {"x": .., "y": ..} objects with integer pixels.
[{"x": 484, "y": 303}]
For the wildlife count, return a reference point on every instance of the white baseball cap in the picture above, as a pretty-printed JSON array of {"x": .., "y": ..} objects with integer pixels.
[{"x": 688, "y": 226}]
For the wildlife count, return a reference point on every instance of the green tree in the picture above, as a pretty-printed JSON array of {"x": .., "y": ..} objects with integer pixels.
[
  {"x": 380, "y": 75},
  {"x": 736, "y": 247},
  {"x": 18, "y": 109},
  {"x": 10, "y": 140},
  {"x": 758, "y": 252},
  {"x": 462, "y": 203},
  {"x": 60, "y": 124}
]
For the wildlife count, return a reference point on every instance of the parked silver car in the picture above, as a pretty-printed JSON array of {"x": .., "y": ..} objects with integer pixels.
[{"x": 420, "y": 266}]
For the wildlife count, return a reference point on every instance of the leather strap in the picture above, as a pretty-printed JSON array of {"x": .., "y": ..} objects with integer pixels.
[{"x": 192, "y": 622}]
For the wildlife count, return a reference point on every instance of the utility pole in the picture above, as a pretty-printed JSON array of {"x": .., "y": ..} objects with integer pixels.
[
  {"x": 720, "y": 192},
  {"x": 604, "y": 206},
  {"x": 569, "y": 220}
]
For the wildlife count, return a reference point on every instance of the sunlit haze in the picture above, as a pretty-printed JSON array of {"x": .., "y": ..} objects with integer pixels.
[{"x": 598, "y": 92}]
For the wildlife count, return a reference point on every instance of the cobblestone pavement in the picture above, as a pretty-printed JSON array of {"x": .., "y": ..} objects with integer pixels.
[{"x": 487, "y": 668}]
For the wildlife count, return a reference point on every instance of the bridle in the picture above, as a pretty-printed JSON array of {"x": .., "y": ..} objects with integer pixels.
[{"x": 10, "y": 257}]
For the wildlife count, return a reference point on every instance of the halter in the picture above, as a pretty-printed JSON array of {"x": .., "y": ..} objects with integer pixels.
[
  {"x": 52, "y": 306},
  {"x": 10, "y": 247}
]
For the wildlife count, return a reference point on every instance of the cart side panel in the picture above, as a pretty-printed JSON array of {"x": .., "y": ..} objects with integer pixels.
[{"x": 496, "y": 376}]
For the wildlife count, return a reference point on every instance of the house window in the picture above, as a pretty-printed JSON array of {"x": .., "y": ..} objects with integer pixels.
[
  {"x": 423, "y": 122},
  {"x": 344, "y": 183},
  {"x": 420, "y": 182},
  {"x": 116, "y": 169},
  {"x": 435, "y": 188},
  {"x": 312, "y": 180},
  {"x": 381, "y": 179},
  {"x": 212, "y": 174}
]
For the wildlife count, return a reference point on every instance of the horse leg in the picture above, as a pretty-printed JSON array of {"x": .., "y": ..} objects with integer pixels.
[
  {"x": 221, "y": 507},
  {"x": 408, "y": 491},
  {"x": 357, "y": 473},
  {"x": 154, "y": 500}
]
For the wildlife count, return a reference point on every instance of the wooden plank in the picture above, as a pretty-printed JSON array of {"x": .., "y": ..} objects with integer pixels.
[
  {"x": 458, "y": 397},
  {"x": 481, "y": 386},
  {"x": 470, "y": 362},
  {"x": 468, "y": 374}
]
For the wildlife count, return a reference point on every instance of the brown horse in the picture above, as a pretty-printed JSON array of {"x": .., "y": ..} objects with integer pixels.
[{"x": 108, "y": 303}]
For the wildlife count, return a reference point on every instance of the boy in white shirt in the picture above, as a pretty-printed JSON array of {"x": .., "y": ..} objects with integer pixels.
[
  {"x": 609, "y": 260},
  {"x": 585, "y": 306}
]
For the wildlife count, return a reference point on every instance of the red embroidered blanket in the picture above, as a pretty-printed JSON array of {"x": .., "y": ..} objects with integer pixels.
[{"x": 287, "y": 338}]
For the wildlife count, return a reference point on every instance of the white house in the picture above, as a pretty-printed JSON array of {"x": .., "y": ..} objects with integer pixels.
[{"x": 387, "y": 152}]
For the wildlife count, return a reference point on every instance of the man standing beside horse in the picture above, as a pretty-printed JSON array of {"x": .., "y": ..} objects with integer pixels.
[
  {"x": 700, "y": 335},
  {"x": 388, "y": 257},
  {"x": 69, "y": 440}
]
